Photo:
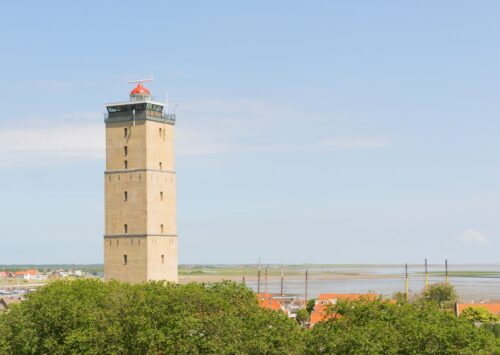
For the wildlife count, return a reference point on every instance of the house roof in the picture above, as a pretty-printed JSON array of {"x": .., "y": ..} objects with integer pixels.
[
  {"x": 347, "y": 296},
  {"x": 266, "y": 300},
  {"x": 491, "y": 307},
  {"x": 32, "y": 272},
  {"x": 319, "y": 313}
]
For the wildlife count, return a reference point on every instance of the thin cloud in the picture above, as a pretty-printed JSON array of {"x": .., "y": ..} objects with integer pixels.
[
  {"x": 356, "y": 143},
  {"x": 58, "y": 142},
  {"x": 206, "y": 127},
  {"x": 471, "y": 236},
  {"x": 246, "y": 126}
]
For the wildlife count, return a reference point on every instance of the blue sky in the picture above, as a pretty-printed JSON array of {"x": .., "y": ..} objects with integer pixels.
[{"x": 318, "y": 131}]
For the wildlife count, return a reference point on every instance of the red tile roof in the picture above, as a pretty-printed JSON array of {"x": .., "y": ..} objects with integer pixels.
[
  {"x": 266, "y": 300},
  {"x": 319, "y": 313},
  {"x": 491, "y": 307},
  {"x": 32, "y": 272},
  {"x": 347, "y": 296}
]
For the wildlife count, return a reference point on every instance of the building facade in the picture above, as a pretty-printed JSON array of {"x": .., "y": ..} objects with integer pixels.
[{"x": 140, "y": 241}]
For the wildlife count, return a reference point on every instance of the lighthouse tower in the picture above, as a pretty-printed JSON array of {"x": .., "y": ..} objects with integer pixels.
[{"x": 140, "y": 241}]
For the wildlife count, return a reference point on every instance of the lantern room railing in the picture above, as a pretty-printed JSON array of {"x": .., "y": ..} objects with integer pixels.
[{"x": 140, "y": 115}]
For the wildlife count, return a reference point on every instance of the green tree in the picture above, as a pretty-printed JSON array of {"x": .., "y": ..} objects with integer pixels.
[
  {"x": 310, "y": 305},
  {"x": 302, "y": 316},
  {"x": 443, "y": 294},
  {"x": 479, "y": 314},
  {"x": 381, "y": 327},
  {"x": 399, "y": 297},
  {"x": 93, "y": 317}
]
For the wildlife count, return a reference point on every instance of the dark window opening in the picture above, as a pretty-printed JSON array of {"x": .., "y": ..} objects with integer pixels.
[
  {"x": 125, "y": 150},
  {"x": 161, "y": 195},
  {"x": 125, "y": 132},
  {"x": 161, "y": 228},
  {"x": 125, "y": 228},
  {"x": 163, "y": 259},
  {"x": 160, "y": 165},
  {"x": 126, "y": 164},
  {"x": 125, "y": 195},
  {"x": 125, "y": 259}
]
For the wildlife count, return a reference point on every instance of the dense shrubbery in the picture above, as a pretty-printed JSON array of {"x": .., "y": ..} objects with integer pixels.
[
  {"x": 481, "y": 315},
  {"x": 93, "y": 317},
  {"x": 380, "y": 327}
]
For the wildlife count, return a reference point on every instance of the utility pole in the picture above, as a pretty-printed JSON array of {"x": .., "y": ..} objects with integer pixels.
[
  {"x": 244, "y": 283},
  {"x": 258, "y": 278},
  {"x": 305, "y": 294},
  {"x": 265, "y": 280},
  {"x": 446, "y": 270},
  {"x": 282, "y": 279},
  {"x": 406, "y": 282},
  {"x": 426, "y": 275}
]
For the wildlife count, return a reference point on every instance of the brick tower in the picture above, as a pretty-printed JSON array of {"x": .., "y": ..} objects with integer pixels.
[{"x": 140, "y": 241}]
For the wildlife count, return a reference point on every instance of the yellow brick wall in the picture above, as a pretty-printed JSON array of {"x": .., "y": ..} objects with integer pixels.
[{"x": 149, "y": 143}]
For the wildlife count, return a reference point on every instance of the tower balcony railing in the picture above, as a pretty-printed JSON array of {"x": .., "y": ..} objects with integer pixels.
[{"x": 140, "y": 115}]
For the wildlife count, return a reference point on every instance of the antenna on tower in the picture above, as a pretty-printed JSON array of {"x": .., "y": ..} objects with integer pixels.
[
  {"x": 141, "y": 81},
  {"x": 166, "y": 101}
]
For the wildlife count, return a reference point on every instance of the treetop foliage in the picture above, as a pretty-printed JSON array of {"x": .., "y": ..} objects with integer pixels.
[
  {"x": 478, "y": 314},
  {"x": 382, "y": 327},
  {"x": 94, "y": 317},
  {"x": 441, "y": 293}
]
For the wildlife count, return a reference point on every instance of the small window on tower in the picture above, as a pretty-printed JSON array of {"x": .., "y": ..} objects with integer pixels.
[
  {"x": 125, "y": 228},
  {"x": 159, "y": 131},
  {"x": 125, "y": 163},
  {"x": 161, "y": 195},
  {"x": 125, "y": 195},
  {"x": 160, "y": 165},
  {"x": 161, "y": 228},
  {"x": 125, "y": 132},
  {"x": 162, "y": 259},
  {"x": 125, "y": 259},
  {"x": 125, "y": 150}
]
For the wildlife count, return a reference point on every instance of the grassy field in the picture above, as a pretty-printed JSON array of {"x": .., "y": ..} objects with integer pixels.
[
  {"x": 273, "y": 270},
  {"x": 492, "y": 274}
]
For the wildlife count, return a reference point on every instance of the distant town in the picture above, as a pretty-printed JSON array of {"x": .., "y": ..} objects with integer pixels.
[{"x": 285, "y": 288}]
